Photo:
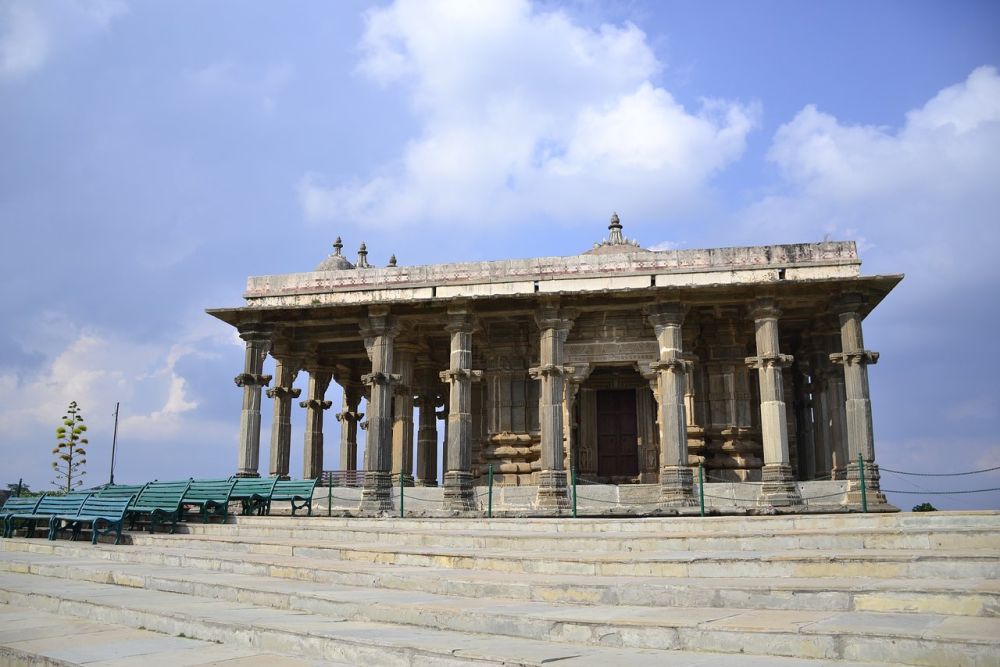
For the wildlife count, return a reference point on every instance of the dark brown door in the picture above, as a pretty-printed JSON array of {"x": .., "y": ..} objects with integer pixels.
[{"x": 617, "y": 434}]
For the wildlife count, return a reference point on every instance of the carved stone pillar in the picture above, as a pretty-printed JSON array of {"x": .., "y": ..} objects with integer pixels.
[
  {"x": 315, "y": 404},
  {"x": 779, "y": 488},
  {"x": 550, "y": 372},
  {"x": 834, "y": 399},
  {"x": 427, "y": 440},
  {"x": 257, "y": 339},
  {"x": 458, "y": 493},
  {"x": 860, "y": 435},
  {"x": 675, "y": 475},
  {"x": 577, "y": 377},
  {"x": 402, "y": 421},
  {"x": 349, "y": 417},
  {"x": 281, "y": 422},
  {"x": 804, "y": 436},
  {"x": 379, "y": 332}
]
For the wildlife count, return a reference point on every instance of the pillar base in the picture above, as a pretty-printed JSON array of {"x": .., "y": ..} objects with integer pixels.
[
  {"x": 407, "y": 479},
  {"x": 426, "y": 482},
  {"x": 778, "y": 488},
  {"x": 458, "y": 491},
  {"x": 552, "y": 490},
  {"x": 677, "y": 486},
  {"x": 376, "y": 494},
  {"x": 247, "y": 473},
  {"x": 873, "y": 494}
]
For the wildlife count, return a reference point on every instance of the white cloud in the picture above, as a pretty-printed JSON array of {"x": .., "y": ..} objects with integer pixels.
[
  {"x": 525, "y": 113},
  {"x": 30, "y": 32}
]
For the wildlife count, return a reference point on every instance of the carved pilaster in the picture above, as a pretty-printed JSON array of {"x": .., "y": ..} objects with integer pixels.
[
  {"x": 458, "y": 494},
  {"x": 349, "y": 419},
  {"x": 315, "y": 404},
  {"x": 379, "y": 332}
]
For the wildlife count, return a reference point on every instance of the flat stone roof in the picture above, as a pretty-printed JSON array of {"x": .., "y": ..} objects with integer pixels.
[{"x": 626, "y": 267}]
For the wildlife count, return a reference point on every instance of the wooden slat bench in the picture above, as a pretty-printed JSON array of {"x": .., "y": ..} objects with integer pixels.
[
  {"x": 102, "y": 514},
  {"x": 298, "y": 491},
  {"x": 16, "y": 505},
  {"x": 48, "y": 506},
  {"x": 210, "y": 496},
  {"x": 119, "y": 490},
  {"x": 161, "y": 501},
  {"x": 253, "y": 493}
]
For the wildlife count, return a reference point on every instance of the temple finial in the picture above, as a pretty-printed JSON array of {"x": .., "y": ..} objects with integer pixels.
[
  {"x": 363, "y": 257},
  {"x": 392, "y": 260},
  {"x": 615, "y": 237},
  {"x": 338, "y": 245}
]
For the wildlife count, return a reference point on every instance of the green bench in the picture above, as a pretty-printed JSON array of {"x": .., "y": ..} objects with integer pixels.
[
  {"x": 210, "y": 496},
  {"x": 161, "y": 501},
  {"x": 102, "y": 514},
  {"x": 253, "y": 493},
  {"x": 15, "y": 505},
  {"x": 119, "y": 490},
  {"x": 48, "y": 506},
  {"x": 297, "y": 491}
]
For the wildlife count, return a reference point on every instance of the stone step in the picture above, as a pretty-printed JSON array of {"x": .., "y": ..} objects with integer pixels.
[
  {"x": 954, "y": 563},
  {"x": 325, "y": 615},
  {"x": 633, "y": 541},
  {"x": 984, "y": 520},
  {"x": 970, "y": 597},
  {"x": 335, "y": 637},
  {"x": 30, "y": 638}
]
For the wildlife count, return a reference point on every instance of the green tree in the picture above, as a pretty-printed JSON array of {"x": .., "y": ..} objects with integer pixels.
[{"x": 69, "y": 450}]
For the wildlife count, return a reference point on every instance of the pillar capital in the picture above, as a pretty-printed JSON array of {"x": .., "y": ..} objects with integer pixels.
[
  {"x": 854, "y": 358},
  {"x": 252, "y": 380},
  {"x": 280, "y": 392},
  {"x": 848, "y": 302},
  {"x": 773, "y": 360},
  {"x": 764, "y": 308},
  {"x": 665, "y": 313},
  {"x": 256, "y": 331}
]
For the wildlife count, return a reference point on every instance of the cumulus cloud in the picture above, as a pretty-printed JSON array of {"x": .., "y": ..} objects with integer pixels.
[
  {"x": 524, "y": 112},
  {"x": 31, "y": 31}
]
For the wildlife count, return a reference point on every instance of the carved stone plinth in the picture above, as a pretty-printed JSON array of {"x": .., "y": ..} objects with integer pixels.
[
  {"x": 552, "y": 490},
  {"x": 676, "y": 486},
  {"x": 376, "y": 494},
  {"x": 458, "y": 492},
  {"x": 873, "y": 494},
  {"x": 779, "y": 489}
]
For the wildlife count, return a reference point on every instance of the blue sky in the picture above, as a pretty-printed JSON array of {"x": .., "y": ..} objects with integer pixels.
[{"x": 154, "y": 154}]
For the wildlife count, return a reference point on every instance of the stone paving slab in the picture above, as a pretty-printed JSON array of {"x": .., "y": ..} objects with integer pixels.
[
  {"x": 27, "y": 634},
  {"x": 353, "y": 642}
]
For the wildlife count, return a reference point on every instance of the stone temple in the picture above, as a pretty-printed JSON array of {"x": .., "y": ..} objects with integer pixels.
[{"x": 627, "y": 365}]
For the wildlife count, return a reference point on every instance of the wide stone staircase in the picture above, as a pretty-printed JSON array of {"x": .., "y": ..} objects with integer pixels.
[{"x": 914, "y": 589}]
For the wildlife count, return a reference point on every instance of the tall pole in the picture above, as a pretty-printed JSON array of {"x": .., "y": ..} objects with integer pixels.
[{"x": 114, "y": 444}]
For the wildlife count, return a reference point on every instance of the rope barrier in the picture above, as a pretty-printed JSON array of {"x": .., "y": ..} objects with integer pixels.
[
  {"x": 941, "y": 493},
  {"x": 937, "y": 474}
]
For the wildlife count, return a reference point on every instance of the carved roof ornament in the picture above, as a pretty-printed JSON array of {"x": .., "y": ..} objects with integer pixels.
[
  {"x": 336, "y": 261},
  {"x": 363, "y": 257},
  {"x": 392, "y": 261},
  {"x": 616, "y": 241}
]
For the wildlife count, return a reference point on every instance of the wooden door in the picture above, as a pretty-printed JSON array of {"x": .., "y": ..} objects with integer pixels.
[{"x": 617, "y": 434}]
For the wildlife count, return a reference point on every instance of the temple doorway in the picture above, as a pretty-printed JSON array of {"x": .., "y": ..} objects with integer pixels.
[{"x": 617, "y": 433}]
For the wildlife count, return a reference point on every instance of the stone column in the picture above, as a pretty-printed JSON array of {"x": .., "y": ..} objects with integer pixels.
[
  {"x": 349, "y": 417},
  {"x": 281, "y": 423},
  {"x": 402, "y": 424},
  {"x": 257, "y": 339},
  {"x": 860, "y": 435},
  {"x": 427, "y": 440},
  {"x": 458, "y": 462},
  {"x": 778, "y": 488},
  {"x": 379, "y": 332},
  {"x": 315, "y": 404},
  {"x": 803, "y": 419},
  {"x": 574, "y": 379},
  {"x": 550, "y": 373},
  {"x": 675, "y": 475}
]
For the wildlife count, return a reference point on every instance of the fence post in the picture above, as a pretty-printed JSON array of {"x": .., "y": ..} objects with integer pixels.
[
  {"x": 701, "y": 488},
  {"x": 329, "y": 495},
  {"x": 861, "y": 479},
  {"x": 572, "y": 474},
  {"x": 489, "y": 506},
  {"x": 400, "y": 495}
]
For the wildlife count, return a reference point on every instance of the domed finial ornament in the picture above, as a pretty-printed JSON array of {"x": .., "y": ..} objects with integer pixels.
[
  {"x": 392, "y": 261},
  {"x": 338, "y": 245},
  {"x": 615, "y": 237},
  {"x": 363, "y": 257},
  {"x": 336, "y": 261}
]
